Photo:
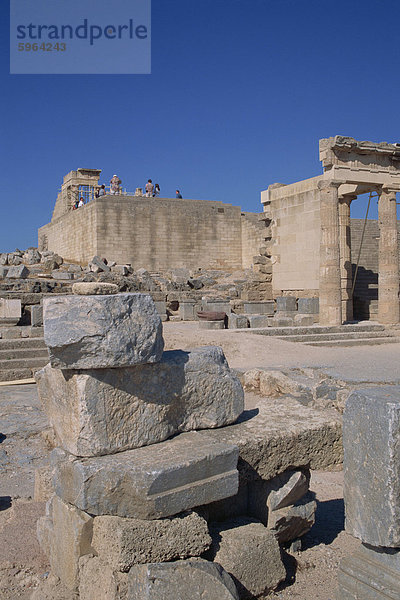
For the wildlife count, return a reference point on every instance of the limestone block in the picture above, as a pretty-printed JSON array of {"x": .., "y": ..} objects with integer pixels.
[
  {"x": 250, "y": 554},
  {"x": 186, "y": 310},
  {"x": 259, "y": 308},
  {"x": 258, "y": 321},
  {"x": 286, "y": 303},
  {"x": 69, "y": 539},
  {"x": 211, "y": 324},
  {"x": 100, "y": 264},
  {"x": 370, "y": 574},
  {"x": 62, "y": 275},
  {"x": 100, "y": 411},
  {"x": 303, "y": 320},
  {"x": 292, "y": 522},
  {"x": 18, "y": 272},
  {"x": 14, "y": 258},
  {"x": 31, "y": 257},
  {"x": 215, "y": 305},
  {"x": 37, "y": 316},
  {"x": 10, "y": 333},
  {"x": 125, "y": 542},
  {"x": 10, "y": 311},
  {"x": 193, "y": 579},
  {"x": 278, "y": 321},
  {"x": 89, "y": 332},
  {"x": 309, "y": 306},
  {"x": 151, "y": 482},
  {"x": 237, "y": 321},
  {"x": 94, "y": 288},
  {"x": 161, "y": 306},
  {"x": 3, "y": 272},
  {"x": 3, "y": 259},
  {"x": 276, "y": 383},
  {"x": 371, "y": 465}
]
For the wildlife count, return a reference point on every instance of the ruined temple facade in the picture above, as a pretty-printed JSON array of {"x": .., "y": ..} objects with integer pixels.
[{"x": 301, "y": 245}]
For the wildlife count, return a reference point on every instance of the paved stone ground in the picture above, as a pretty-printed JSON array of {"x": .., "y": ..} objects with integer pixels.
[{"x": 22, "y": 449}]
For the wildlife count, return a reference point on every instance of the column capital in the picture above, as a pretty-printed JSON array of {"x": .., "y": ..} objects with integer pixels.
[
  {"x": 347, "y": 198},
  {"x": 392, "y": 189},
  {"x": 324, "y": 184}
]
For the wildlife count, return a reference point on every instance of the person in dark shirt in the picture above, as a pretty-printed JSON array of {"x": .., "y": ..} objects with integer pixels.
[{"x": 178, "y": 194}]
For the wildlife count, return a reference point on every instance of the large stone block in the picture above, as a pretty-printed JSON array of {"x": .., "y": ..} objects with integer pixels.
[
  {"x": 10, "y": 311},
  {"x": 292, "y": 522},
  {"x": 37, "y": 316},
  {"x": 152, "y": 482},
  {"x": 258, "y": 321},
  {"x": 17, "y": 272},
  {"x": 371, "y": 433},
  {"x": 125, "y": 542},
  {"x": 259, "y": 308},
  {"x": 250, "y": 554},
  {"x": 65, "y": 535},
  {"x": 92, "y": 332},
  {"x": 286, "y": 304},
  {"x": 308, "y": 306},
  {"x": 237, "y": 321},
  {"x": 102, "y": 411},
  {"x": 94, "y": 288},
  {"x": 195, "y": 578}
]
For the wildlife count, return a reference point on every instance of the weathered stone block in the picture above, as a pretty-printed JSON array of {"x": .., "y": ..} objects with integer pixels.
[
  {"x": 62, "y": 275},
  {"x": 250, "y": 554},
  {"x": 125, "y": 542},
  {"x": 187, "y": 310},
  {"x": 259, "y": 308},
  {"x": 237, "y": 321},
  {"x": 3, "y": 272},
  {"x": 308, "y": 306},
  {"x": 371, "y": 433},
  {"x": 100, "y": 264},
  {"x": 94, "y": 288},
  {"x": 66, "y": 540},
  {"x": 18, "y": 272},
  {"x": 278, "y": 321},
  {"x": 303, "y": 320},
  {"x": 211, "y": 324},
  {"x": 100, "y": 411},
  {"x": 286, "y": 303},
  {"x": 258, "y": 321},
  {"x": 89, "y": 332},
  {"x": 37, "y": 316},
  {"x": 3, "y": 259},
  {"x": 216, "y": 306},
  {"x": 195, "y": 578},
  {"x": 120, "y": 270},
  {"x": 152, "y": 482},
  {"x": 98, "y": 581},
  {"x": 10, "y": 311},
  {"x": 292, "y": 522}
]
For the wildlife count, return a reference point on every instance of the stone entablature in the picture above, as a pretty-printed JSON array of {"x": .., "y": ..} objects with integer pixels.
[{"x": 73, "y": 183}]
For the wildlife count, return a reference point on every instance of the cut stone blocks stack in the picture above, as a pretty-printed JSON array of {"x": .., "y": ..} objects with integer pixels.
[
  {"x": 121, "y": 523},
  {"x": 371, "y": 434}
]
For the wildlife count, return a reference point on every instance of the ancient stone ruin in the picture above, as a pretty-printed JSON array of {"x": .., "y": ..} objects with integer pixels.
[{"x": 151, "y": 493}]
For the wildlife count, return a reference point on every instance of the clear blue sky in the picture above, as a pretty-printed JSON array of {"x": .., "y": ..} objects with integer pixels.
[{"x": 240, "y": 93}]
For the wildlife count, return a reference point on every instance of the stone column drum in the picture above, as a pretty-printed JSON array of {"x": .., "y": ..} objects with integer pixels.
[
  {"x": 330, "y": 297},
  {"x": 388, "y": 282}
]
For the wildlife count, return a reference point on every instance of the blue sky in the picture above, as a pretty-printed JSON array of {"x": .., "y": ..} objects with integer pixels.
[{"x": 240, "y": 93}]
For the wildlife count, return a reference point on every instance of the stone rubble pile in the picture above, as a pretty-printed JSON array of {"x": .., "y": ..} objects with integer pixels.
[{"x": 128, "y": 515}]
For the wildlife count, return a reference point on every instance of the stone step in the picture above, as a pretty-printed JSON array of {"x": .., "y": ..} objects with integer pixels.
[
  {"x": 358, "y": 342},
  {"x": 327, "y": 337},
  {"x": 15, "y": 374},
  {"x": 13, "y": 353},
  {"x": 14, "y": 344},
  {"x": 23, "y": 363},
  {"x": 317, "y": 329}
]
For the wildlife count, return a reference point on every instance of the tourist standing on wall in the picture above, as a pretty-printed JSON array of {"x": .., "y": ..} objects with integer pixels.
[
  {"x": 149, "y": 188},
  {"x": 156, "y": 190},
  {"x": 115, "y": 184},
  {"x": 178, "y": 194}
]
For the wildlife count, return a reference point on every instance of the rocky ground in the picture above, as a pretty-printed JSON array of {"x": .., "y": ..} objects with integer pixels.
[{"x": 312, "y": 573}]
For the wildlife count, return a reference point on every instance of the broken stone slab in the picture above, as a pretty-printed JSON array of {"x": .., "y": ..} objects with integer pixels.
[
  {"x": 14, "y": 258},
  {"x": 100, "y": 411},
  {"x": 372, "y": 573},
  {"x": 3, "y": 272},
  {"x": 32, "y": 256},
  {"x": 94, "y": 288},
  {"x": 10, "y": 311},
  {"x": 250, "y": 553},
  {"x": 195, "y": 578},
  {"x": 292, "y": 522},
  {"x": 3, "y": 259},
  {"x": 18, "y": 272},
  {"x": 73, "y": 268},
  {"x": 62, "y": 275},
  {"x": 276, "y": 383},
  {"x": 89, "y": 332},
  {"x": 65, "y": 535},
  {"x": 152, "y": 482},
  {"x": 125, "y": 542},
  {"x": 372, "y": 466},
  {"x": 100, "y": 264}
]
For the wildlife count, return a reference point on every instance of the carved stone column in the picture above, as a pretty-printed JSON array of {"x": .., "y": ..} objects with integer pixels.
[
  {"x": 388, "y": 280},
  {"x": 330, "y": 297},
  {"x": 345, "y": 257}
]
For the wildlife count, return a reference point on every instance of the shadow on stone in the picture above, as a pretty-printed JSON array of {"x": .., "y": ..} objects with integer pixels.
[
  {"x": 2, "y": 437},
  {"x": 5, "y": 502},
  {"x": 329, "y": 523},
  {"x": 247, "y": 415}
]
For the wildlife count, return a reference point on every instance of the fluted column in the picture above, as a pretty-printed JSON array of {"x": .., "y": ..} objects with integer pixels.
[
  {"x": 345, "y": 257},
  {"x": 330, "y": 297},
  {"x": 388, "y": 280}
]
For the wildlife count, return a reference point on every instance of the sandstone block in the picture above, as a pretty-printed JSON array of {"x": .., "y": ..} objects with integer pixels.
[
  {"x": 98, "y": 581},
  {"x": 94, "y": 288},
  {"x": 308, "y": 306},
  {"x": 193, "y": 579},
  {"x": 66, "y": 540},
  {"x": 372, "y": 465},
  {"x": 151, "y": 482},
  {"x": 18, "y": 272},
  {"x": 100, "y": 411},
  {"x": 125, "y": 542},
  {"x": 286, "y": 303},
  {"x": 292, "y": 522},
  {"x": 89, "y": 332},
  {"x": 250, "y": 554}
]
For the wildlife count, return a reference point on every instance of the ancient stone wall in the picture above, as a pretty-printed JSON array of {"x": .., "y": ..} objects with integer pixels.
[
  {"x": 156, "y": 234},
  {"x": 253, "y": 237}
]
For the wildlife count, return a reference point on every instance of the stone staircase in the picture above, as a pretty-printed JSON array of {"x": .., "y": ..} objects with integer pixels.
[
  {"x": 345, "y": 335},
  {"x": 21, "y": 357}
]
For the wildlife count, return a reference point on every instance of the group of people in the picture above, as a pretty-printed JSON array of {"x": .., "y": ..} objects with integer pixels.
[{"x": 154, "y": 190}]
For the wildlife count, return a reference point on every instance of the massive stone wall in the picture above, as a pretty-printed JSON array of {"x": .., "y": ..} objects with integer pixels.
[{"x": 156, "y": 234}]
